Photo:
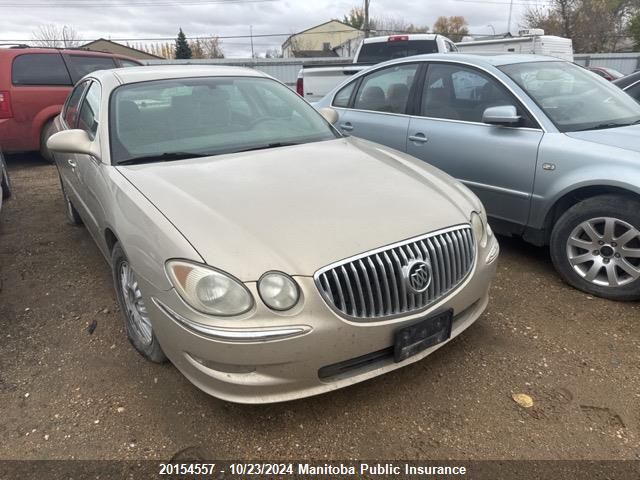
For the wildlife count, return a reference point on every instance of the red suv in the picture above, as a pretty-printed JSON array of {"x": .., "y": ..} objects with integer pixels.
[{"x": 34, "y": 84}]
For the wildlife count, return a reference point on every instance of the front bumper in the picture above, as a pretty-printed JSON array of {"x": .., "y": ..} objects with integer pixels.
[{"x": 276, "y": 357}]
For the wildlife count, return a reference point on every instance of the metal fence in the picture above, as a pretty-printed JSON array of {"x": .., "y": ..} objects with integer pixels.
[
  {"x": 284, "y": 69},
  {"x": 623, "y": 62}
]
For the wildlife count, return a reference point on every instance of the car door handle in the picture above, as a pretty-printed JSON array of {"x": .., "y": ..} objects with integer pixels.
[
  {"x": 72, "y": 163},
  {"x": 346, "y": 126},
  {"x": 418, "y": 137}
]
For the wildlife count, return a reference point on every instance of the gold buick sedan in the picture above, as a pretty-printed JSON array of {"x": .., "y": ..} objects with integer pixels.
[{"x": 265, "y": 255}]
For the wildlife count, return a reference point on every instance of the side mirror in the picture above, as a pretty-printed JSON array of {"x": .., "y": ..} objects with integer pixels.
[
  {"x": 73, "y": 141},
  {"x": 501, "y": 115},
  {"x": 330, "y": 115}
]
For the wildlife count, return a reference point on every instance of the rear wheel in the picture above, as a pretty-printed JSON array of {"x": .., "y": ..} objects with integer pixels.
[
  {"x": 5, "y": 183},
  {"x": 136, "y": 316},
  {"x": 595, "y": 246},
  {"x": 47, "y": 131}
]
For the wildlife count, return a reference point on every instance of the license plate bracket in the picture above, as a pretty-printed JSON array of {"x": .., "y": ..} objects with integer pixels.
[{"x": 411, "y": 340}]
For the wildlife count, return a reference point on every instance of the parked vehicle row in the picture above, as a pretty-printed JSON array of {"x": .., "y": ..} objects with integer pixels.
[
  {"x": 630, "y": 84},
  {"x": 314, "y": 82},
  {"x": 34, "y": 84},
  {"x": 549, "y": 148},
  {"x": 266, "y": 255}
]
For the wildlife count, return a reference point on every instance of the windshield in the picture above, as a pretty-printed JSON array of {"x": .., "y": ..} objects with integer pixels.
[
  {"x": 572, "y": 97},
  {"x": 377, "y": 52},
  {"x": 172, "y": 119}
]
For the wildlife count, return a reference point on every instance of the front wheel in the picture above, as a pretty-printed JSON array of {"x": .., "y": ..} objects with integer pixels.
[
  {"x": 136, "y": 316},
  {"x": 47, "y": 131},
  {"x": 595, "y": 246}
]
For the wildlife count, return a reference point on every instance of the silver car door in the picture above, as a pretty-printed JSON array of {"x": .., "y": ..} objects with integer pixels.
[
  {"x": 67, "y": 162},
  {"x": 377, "y": 110},
  {"x": 88, "y": 167},
  {"x": 496, "y": 162}
]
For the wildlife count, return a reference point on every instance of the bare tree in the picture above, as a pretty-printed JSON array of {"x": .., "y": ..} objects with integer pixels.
[
  {"x": 593, "y": 25},
  {"x": 273, "y": 53},
  {"x": 453, "y": 27},
  {"x": 212, "y": 47},
  {"x": 390, "y": 25},
  {"x": 55, "y": 36}
]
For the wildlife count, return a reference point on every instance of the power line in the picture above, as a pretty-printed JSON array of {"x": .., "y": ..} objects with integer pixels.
[{"x": 130, "y": 4}]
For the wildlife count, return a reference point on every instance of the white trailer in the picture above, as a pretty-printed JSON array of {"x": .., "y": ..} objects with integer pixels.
[{"x": 529, "y": 41}]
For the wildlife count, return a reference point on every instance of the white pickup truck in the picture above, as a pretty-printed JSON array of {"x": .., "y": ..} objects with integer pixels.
[{"x": 314, "y": 82}]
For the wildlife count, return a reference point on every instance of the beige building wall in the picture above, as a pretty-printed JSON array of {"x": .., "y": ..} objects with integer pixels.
[{"x": 334, "y": 33}]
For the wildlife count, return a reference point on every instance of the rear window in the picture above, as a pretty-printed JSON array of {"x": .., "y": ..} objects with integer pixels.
[
  {"x": 40, "y": 69},
  {"x": 382, "y": 51},
  {"x": 81, "y": 65}
]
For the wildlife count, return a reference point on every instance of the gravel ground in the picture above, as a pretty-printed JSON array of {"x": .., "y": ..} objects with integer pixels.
[{"x": 67, "y": 394}]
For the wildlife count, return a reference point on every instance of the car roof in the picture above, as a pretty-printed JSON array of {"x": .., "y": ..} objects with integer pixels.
[
  {"x": 627, "y": 80},
  {"x": 18, "y": 49},
  {"x": 487, "y": 60},
  {"x": 410, "y": 36},
  {"x": 166, "y": 72}
]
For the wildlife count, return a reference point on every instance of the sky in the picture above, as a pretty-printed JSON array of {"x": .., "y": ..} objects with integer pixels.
[{"x": 118, "y": 19}]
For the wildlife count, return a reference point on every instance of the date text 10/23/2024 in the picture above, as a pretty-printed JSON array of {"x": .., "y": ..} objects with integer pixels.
[{"x": 170, "y": 469}]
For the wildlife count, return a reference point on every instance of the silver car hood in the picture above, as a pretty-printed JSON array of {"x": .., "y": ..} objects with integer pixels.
[
  {"x": 627, "y": 138},
  {"x": 299, "y": 208}
]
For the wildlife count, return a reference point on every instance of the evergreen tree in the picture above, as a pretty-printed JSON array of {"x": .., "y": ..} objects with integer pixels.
[{"x": 183, "y": 50}]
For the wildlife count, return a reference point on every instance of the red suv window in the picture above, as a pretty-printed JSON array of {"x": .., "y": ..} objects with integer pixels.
[
  {"x": 81, "y": 65},
  {"x": 40, "y": 69}
]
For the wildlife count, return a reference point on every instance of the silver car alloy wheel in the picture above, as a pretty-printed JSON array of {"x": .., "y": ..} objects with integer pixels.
[
  {"x": 136, "y": 309},
  {"x": 605, "y": 251}
]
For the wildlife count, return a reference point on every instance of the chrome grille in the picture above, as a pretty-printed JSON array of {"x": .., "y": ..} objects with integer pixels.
[{"x": 372, "y": 286}]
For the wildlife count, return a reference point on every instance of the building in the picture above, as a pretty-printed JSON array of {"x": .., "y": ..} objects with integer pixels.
[
  {"x": 320, "y": 40},
  {"x": 104, "y": 45}
]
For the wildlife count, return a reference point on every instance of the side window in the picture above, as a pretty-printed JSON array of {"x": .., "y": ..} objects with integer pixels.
[
  {"x": 40, "y": 69},
  {"x": 128, "y": 63},
  {"x": 342, "y": 97},
  {"x": 81, "y": 65},
  {"x": 90, "y": 110},
  {"x": 386, "y": 90},
  {"x": 72, "y": 106},
  {"x": 458, "y": 93}
]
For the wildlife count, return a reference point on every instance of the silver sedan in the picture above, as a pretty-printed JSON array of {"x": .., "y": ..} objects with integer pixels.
[{"x": 265, "y": 255}]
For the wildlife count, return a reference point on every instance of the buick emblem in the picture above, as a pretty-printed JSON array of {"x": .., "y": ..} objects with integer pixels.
[{"x": 417, "y": 276}]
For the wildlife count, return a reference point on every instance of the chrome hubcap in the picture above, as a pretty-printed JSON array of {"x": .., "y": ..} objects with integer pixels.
[
  {"x": 136, "y": 309},
  {"x": 605, "y": 251}
]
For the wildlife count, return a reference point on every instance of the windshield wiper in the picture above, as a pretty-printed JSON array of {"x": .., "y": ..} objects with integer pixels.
[
  {"x": 603, "y": 126},
  {"x": 162, "y": 157},
  {"x": 266, "y": 146}
]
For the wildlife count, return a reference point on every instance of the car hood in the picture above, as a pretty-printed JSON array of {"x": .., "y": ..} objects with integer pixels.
[
  {"x": 299, "y": 208},
  {"x": 627, "y": 138}
]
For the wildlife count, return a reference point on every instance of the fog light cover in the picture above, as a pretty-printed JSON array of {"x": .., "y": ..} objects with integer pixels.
[{"x": 278, "y": 291}]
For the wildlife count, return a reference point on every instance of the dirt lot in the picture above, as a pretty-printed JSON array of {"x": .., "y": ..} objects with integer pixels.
[{"x": 67, "y": 394}]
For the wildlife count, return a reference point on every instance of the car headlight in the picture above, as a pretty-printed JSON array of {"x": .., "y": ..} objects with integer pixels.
[
  {"x": 278, "y": 291},
  {"x": 207, "y": 290},
  {"x": 480, "y": 228}
]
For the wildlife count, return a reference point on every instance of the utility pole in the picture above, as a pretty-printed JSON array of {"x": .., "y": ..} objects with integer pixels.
[
  {"x": 253, "y": 55},
  {"x": 366, "y": 18},
  {"x": 509, "y": 21}
]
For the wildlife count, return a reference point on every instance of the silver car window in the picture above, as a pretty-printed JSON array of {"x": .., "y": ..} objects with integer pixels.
[
  {"x": 386, "y": 90},
  {"x": 72, "y": 107},
  {"x": 455, "y": 92},
  {"x": 572, "y": 97},
  {"x": 209, "y": 116},
  {"x": 90, "y": 110}
]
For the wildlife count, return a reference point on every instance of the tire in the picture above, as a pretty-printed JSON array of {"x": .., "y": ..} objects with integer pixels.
[
  {"x": 5, "y": 183},
  {"x": 73, "y": 217},
  {"x": 47, "y": 131},
  {"x": 136, "y": 321},
  {"x": 595, "y": 247}
]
